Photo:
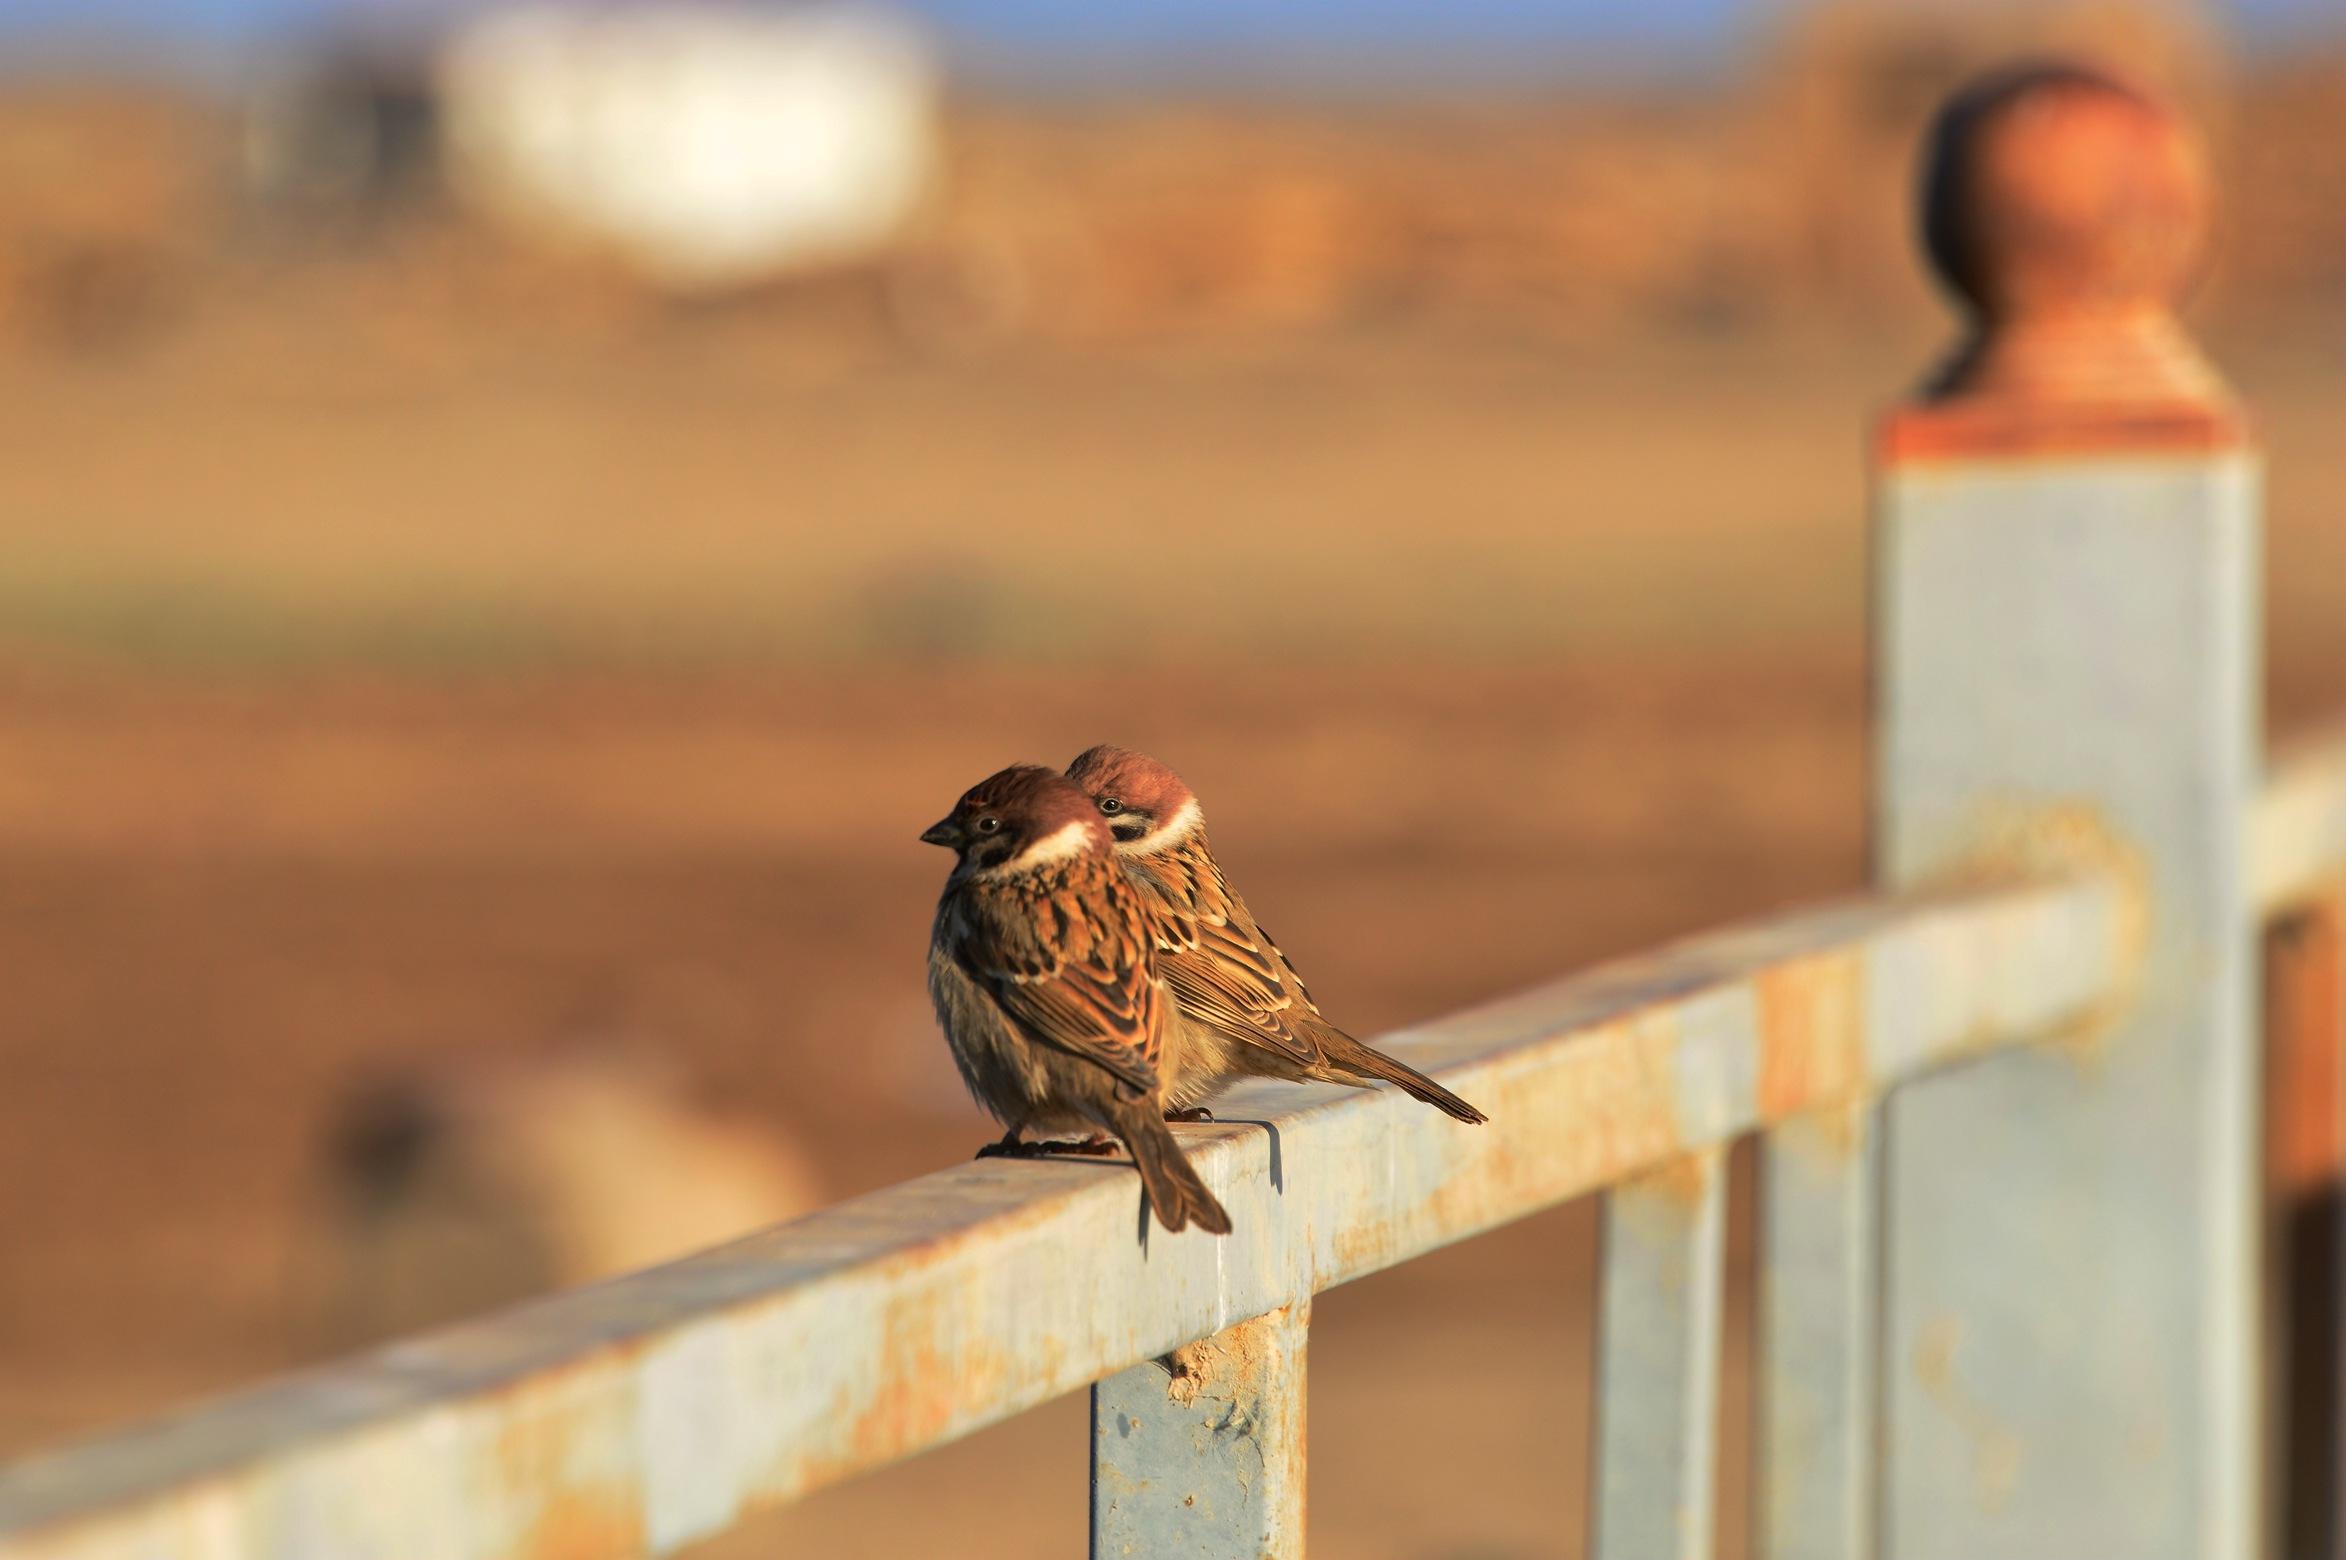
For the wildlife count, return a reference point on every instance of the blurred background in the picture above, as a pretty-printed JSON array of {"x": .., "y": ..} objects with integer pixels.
[{"x": 512, "y": 518}]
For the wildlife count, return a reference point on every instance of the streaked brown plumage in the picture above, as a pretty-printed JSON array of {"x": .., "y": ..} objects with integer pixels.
[
  {"x": 1044, "y": 969},
  {"x": 1246, "y": 1010}
]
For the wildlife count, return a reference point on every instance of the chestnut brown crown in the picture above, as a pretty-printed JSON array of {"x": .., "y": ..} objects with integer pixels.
[
  {"x": 1133, "y": 792},
  {"x": 1015, "y": 808}
]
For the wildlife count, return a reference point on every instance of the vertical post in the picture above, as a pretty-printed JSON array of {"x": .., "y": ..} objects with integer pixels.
[
  {"x": 1201, "y": 1454},
  {"x": 1662, "y": 1260},
  {"x": 2067, "y": 673},
  {"x": 2305, "y": 1155},
  {"x": 1819, "y": 1335}
]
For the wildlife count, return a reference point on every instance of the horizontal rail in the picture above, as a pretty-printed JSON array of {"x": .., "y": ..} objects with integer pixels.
[
  {"x": 661, "y": 1407},
  {"x": 2297, "y": 845}
]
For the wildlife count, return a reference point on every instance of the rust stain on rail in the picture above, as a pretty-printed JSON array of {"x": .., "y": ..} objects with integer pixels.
[
  {"x": 563, "y": 1454},
  {"x": 585, "y": 1527},
  {"x": 2017, "y": 841},
  {"x": 1812, "y": 1040},
  {"x": 1683, "y": 1181},
  {"x": 932, "y": 1369},
  {"x": 1245, "y": 1357},
  {"x": 1604, "y": 1108},
  {"x": 930, "y": 1374}
]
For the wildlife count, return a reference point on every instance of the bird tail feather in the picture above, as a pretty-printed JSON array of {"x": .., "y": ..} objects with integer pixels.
[
  {"x": 1354, "y": 1057},
  {"x": 1176, "y": 1191}
]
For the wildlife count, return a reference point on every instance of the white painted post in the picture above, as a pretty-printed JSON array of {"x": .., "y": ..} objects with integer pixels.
[
  {"x": 1819, "y": 1335},
  {"x": 1662, "y": 1256},
  {"x": 2067, "y": 670},
  {"x": 1202, "y": 1454}
]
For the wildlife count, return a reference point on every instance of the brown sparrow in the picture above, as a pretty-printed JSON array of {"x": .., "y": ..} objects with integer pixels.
[
  {"x": 1246, "y": 1009},
  {"x": 1043, "y": 966}
]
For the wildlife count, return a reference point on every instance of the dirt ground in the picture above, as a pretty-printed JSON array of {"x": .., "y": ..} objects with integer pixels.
[{"x": 464, "y": 711}]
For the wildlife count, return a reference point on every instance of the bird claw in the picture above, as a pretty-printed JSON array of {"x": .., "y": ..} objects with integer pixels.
[{"x": 1193, "y": 1113}]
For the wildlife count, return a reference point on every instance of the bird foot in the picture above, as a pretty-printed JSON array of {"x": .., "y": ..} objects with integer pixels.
[{"x": 1193, "y": 1113}]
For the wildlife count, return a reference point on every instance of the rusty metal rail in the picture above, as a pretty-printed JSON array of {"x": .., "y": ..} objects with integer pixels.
[
  {"x": 645, "y": 1413},
  {"x": 660, "y": 1408}
]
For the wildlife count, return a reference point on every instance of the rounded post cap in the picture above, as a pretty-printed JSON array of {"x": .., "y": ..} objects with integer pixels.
[
  {"x": 2071, "y": 211},
  {"x": 2054, "y": 188}
]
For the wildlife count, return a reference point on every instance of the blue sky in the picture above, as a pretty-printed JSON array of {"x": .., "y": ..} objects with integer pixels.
[{"x": 1248, "y": 36}]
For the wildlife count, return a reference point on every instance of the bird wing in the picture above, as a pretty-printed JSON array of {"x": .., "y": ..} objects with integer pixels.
[
  {"x": 1226, "y": 973},
  {"x": 1071, "y": 962}
]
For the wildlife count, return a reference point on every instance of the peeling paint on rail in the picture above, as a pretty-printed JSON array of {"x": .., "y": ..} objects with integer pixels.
[{"x": 643, "y": 1414}]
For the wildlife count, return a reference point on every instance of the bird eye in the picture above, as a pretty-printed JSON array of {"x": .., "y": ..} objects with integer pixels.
[
  {"x": 988, "y": 825},
  {"x": 1109, "y": 804}
]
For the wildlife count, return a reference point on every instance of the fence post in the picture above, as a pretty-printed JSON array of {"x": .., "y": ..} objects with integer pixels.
[
  {"x": 1202, "y": 1454},
  {"x": 1661, "y": 1255},
  {"x": 1819, "y": 1334},
  {"x": 2066, "y": 664}
]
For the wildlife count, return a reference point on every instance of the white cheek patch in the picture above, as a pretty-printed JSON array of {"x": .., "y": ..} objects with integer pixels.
[
  {"x": 1165, "y": 835},
  {"x": 1064, "y": 843}
]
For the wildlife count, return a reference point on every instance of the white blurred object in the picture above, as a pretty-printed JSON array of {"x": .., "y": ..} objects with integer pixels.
[
  {"x": 709, "y": 146},
  {"x": 455, "y": 1188}
]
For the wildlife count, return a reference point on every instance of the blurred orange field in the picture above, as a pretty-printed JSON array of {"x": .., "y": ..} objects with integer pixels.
[
  {"x": 746, "y": 491},
  {"x": 388, "y": 711}
]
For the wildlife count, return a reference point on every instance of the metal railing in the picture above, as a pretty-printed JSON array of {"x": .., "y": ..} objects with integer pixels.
[
  {"x": 2075, "y": 852},
  {"x": 662, "y": 1407}
]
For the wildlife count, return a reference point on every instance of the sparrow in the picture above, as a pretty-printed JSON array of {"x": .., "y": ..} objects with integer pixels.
[
  {"x": 1245, "y": 1010},
  {"x": 1043, "y": 967}
]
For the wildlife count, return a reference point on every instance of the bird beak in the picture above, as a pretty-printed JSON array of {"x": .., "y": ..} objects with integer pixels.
[{"x": 942, "y": 832}]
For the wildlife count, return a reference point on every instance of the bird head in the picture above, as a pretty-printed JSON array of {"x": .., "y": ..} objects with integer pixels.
[
  {"x": 1146, "y": 805},
  {"x": 1023, "y": 816}
]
